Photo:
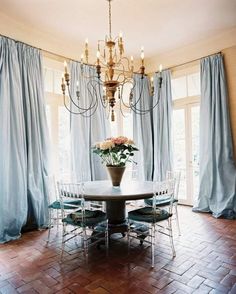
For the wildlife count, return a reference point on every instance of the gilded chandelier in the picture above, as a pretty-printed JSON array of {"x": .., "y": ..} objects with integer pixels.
[{"x": 113, "y": 73}]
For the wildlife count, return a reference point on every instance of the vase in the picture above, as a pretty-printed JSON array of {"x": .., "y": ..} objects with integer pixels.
[{"x": 116, "y": 173}]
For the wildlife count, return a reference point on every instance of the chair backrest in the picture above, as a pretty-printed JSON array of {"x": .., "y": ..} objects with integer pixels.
[
  {"x": 164, "y": 189},
  {"x": 71, "y": 196},
  {"x": 51, "y": 189},
  {"x": 174, "y": 175}
]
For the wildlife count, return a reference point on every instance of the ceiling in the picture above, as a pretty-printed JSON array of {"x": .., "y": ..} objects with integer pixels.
[{"x": 158, "y": 25}]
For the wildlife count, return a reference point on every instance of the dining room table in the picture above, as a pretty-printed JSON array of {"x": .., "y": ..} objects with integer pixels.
[{"x": 115, "y": 199}]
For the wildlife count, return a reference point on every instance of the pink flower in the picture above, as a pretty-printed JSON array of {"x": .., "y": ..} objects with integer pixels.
[{"x": 119, "y": 140}]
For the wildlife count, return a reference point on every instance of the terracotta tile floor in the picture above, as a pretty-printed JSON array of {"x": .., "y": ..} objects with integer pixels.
[{"x": 205, "y": 263}]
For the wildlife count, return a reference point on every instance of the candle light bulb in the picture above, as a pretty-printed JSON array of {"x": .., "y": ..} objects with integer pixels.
[
  {"x": 86, "y": 42},
  {"x": 77, "y": 85},
  {"x": 82, "y": 58},
  {"x": 142, "y": 53},
  {"x": 151, "y": 79},
  {"x": 160, "y": 68},
  {"x": 132, "y": 59},
  {"x": 98, "y": 54},
  {"x": 120, "y": 35}
]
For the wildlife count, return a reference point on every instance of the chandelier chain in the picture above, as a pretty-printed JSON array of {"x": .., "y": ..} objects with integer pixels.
[{"x": 109, "y": 19}]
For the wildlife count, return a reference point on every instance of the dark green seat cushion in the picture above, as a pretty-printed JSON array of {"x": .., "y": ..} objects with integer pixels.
[
  {"x": 57, "y": 204},
  {"x": 147, "y": 214},
  {"x": 160, "y": 201},
  {"x": 92, "y": 218}
]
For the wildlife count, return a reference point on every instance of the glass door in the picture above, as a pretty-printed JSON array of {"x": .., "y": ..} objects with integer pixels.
[{"x": 186, "y": 150}]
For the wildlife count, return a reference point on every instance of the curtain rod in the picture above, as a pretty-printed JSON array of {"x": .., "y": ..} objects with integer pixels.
[
  {"x": 43, "y": 50},
  {"x": 52, "y": 53},
  {"x": 191, "y": 61},
  {"x": 67, "y": 58}
]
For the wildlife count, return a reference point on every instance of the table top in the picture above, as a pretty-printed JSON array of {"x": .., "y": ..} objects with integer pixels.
[{"x": 128, "y": 190}]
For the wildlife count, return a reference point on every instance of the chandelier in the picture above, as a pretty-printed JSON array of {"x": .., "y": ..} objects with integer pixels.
[{"x": 113, "y": 74}]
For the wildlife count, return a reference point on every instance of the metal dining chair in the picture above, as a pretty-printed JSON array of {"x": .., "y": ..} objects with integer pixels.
[
  {"x": 90, "y": 224},
  {"x": 153, "y": 218}
]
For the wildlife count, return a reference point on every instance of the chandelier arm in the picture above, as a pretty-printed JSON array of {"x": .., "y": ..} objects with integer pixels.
[
  {"x": 104, "y": 104},
  {"x": 124, "y": 78},
  {"x": 83, "y": 110},
  {"x": 122, "y": 90},
  {"x": 126, "y": 59},
  {"x": 72, "y": 112},
  {"x": 95, "y": 105},
  {"x": 133, "y": 105},
  {"x": 121, "y": 110},
  {"x": 141, "y": 112}
]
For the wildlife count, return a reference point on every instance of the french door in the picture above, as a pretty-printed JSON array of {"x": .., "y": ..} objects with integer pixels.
[{"x": 186, "y": 150}]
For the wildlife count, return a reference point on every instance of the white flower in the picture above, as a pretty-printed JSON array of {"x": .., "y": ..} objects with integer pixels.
[
  {"x": 108, "y": 144},
  {"x": 130, "y": 142}
]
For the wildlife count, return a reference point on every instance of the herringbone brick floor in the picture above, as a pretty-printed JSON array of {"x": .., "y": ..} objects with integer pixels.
[{"x": 205, "y": 263}]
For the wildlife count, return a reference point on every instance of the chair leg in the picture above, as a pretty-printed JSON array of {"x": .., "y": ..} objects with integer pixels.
[
  {"x": 63, "y": 240},
  {"x": 153, "y": 244},
  {"x": 49, "y": 226},
  {"x": 128, "y": 236},
  {"x": 171, "y": 237},
  {"x": 57, "y": 221},
  {"x": 85, "y": 245},
  {"x": 177, "y": 219},
  {"x": 107, "y": 238}
]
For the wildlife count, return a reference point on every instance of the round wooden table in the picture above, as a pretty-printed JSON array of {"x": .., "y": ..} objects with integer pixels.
[{"x": 115, "y": 198}]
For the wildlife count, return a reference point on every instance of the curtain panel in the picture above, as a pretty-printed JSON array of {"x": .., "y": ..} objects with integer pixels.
[
  {"x": 86, "y": 131},
  {"x": 217, "y": 191},
  {"x": 152, "y": 131},
  {"x": 142, "y": 129},
  {"x": 162, "y": 127},
  {"x": 23, "y": 133}
]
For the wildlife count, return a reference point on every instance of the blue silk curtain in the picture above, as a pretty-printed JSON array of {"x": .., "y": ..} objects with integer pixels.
[
  {"x": 86, "y": 131},
  {"x": 217, "y": 192},
  {"x": 142, "y": 128},
  {"x": 162, "y": 127},
  {"x": 152, "y": 131},
  {"x": 23, "y": 146}
]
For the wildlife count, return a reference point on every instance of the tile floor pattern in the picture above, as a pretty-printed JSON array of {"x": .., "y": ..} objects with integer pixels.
[{"x": 205, "y": 263}]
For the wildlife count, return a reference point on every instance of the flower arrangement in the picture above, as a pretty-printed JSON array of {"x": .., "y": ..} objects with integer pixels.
[{"x": 115, "y": 151}]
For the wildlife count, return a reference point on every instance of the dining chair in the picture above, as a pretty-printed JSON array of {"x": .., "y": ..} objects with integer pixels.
[
  {"x": 90, "y": 224},
  {"x": 155, "y": 219},
  {"x": 164, "y": 201},
  {"x": 54, "y": 206}
]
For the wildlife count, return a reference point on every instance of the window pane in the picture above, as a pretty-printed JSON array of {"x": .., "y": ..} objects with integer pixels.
[
  {"x": 195, "y": 149},
  {"x": 194, "y": 84},
  {"x": 64, "y": 144},
  {"x": 49, "y": 122},
  {"x": 48, "y": 80},
  {"x": 179, "y": 149},
  {"x": 179, "y": 88}
]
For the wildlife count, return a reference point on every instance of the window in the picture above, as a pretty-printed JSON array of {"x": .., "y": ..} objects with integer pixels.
[{"x": 186, "y": 100}]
